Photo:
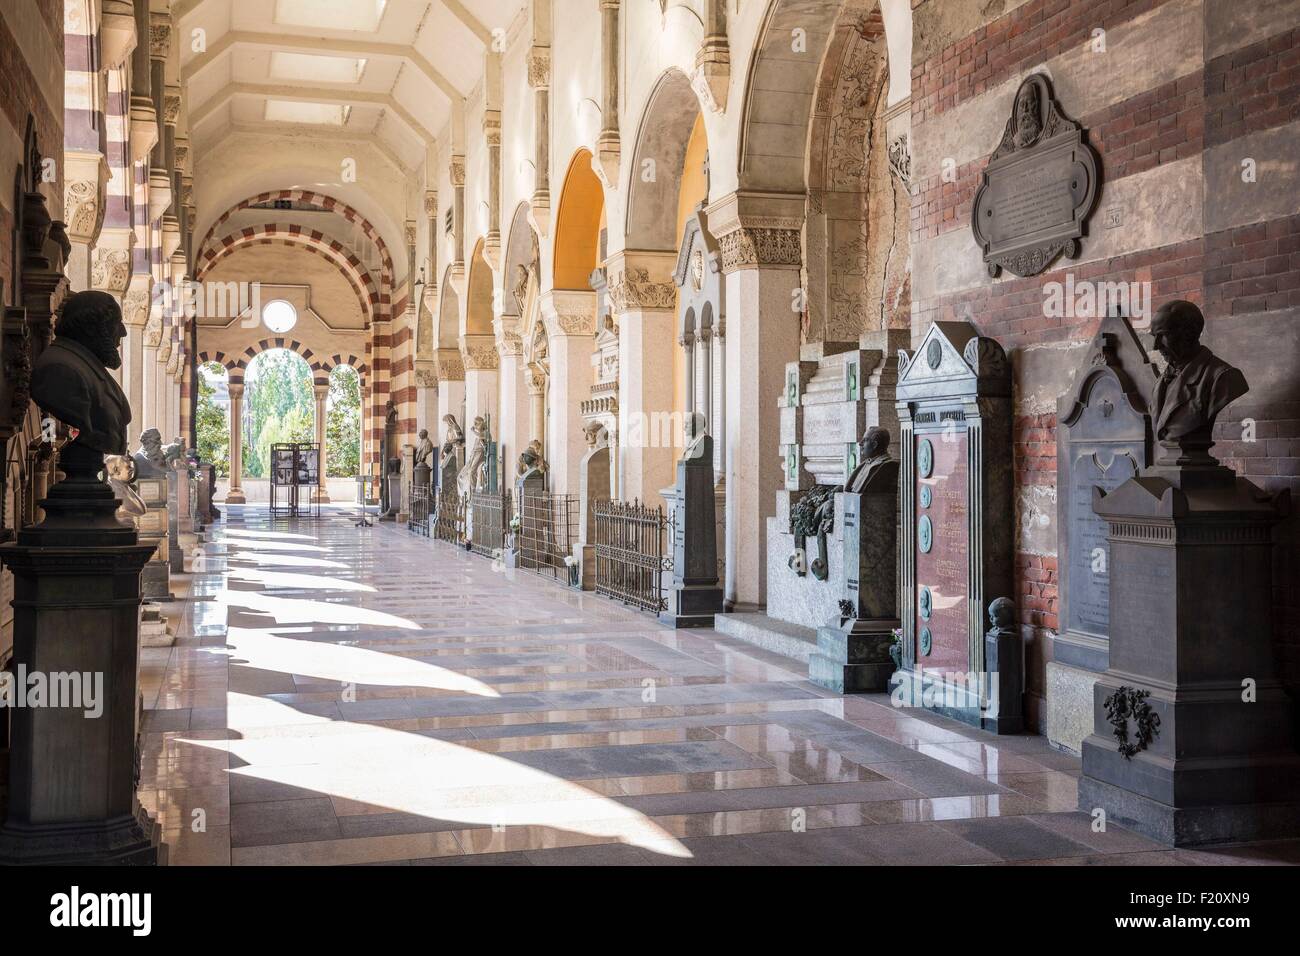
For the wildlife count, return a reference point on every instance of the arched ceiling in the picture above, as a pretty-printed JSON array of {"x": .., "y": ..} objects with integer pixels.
[{"x": 278, "y": 75}]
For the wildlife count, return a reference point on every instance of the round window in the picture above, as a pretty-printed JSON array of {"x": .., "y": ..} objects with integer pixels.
[{"x": 279, "y": 316}]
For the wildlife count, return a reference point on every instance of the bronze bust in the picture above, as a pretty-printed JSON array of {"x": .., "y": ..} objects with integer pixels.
[
  {"x": 1196, "y": 384},
  {"x": 873, "y": 451},
  {"x": 70, "y": 380}
]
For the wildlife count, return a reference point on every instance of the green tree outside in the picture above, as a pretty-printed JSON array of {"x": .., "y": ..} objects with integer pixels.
[
  {"x": 278, "y": 407},
  {"x": 212, "y": 424},
  {"x": 343, "y": 424}
]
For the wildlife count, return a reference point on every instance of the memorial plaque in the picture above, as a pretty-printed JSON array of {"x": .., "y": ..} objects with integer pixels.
[
  {"x": 954, "y": 410},
  {"x": 1038, "y": 189},
  {"x": 1104, "y": 439}
]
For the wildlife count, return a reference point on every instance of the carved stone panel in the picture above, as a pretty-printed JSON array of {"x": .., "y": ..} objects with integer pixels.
[{"x": 1038, "y": 189}]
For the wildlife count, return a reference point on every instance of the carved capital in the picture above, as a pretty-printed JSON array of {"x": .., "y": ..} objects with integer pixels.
[
  {"x": 539, "y": 67},
  {"x": 632, "y": 289},
  {"x": 110, "y": 270},
  {"x": 160, "y": 35},
  {"x": 456, "y": 170},
  {"x": 431, "y": 203},
  {"x": 750, "y": 248},
  {"x": 451, "y": 366},
  {"x": 172, "y": 105},
  {"x": 82, "y": 210}
]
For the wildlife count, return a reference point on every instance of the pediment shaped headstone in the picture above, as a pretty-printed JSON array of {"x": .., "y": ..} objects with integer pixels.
[{"x": 951, "y": 359}]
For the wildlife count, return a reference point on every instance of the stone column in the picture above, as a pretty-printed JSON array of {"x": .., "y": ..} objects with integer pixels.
[
  {"x": 570, "y": 324},
  {"x": 451, "y": 391},
  {"x": 642, "y": 297},
  {"x": 514, "y": 411},
  {"x": 761, "y": 256},
  {"x": 539, "y": 78},
  {"x": 535, "y": 381},
  {"x": 492, "y": 239},
  {"x": 322, "y": 393},
  {"x": 481, "y": 382},
  {"x": 235, "y": 494},
  {"x": 607, "y": 144},
  {"x": 692, "y": 403}
]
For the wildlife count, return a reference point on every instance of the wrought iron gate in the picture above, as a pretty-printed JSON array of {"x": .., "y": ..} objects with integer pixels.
[
  {"x": 490, "y": 514},
  {"x": 548, "y": 528},
  {"x": 449, "y": 522}
]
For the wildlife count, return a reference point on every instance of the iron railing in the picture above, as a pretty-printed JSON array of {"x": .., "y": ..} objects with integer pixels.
[
  {"x": 421, "y": 505},
  {"x": 547, "y": 530},
  {"x": 449, "y": 520},
  {"x": 490, "y": 514},
  {"x": 632, "y": 556}
]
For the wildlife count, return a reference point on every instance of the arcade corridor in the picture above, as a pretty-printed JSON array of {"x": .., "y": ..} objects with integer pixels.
[{"x": 345, "y": 695}]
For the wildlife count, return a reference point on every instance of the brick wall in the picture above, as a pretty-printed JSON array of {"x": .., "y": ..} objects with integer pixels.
[{"x": 1246, "y": 276}]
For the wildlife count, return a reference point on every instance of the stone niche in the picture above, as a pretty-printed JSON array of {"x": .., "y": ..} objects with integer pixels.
[
  {"x": 1103, "y": 439},
  {"x": 830, "y": 398},
  {"x": 956, "y": 507}
]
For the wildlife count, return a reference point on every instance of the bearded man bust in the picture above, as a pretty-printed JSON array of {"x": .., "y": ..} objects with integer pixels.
[{"x": 71, "y": 381}]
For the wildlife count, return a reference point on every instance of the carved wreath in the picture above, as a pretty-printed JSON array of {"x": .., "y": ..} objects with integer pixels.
[{"x": 1125, "y": 703}]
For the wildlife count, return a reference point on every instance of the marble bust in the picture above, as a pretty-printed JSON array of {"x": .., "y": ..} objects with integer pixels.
[
  {"x": 1195, "y": 386},
  {"x": 424, "y": 451},
  {"x": 70, "y": 380},
  {"x": 150, "y": 460},
  {"x": 120, "y": 470},
  {"x": 531, "y": 460}
]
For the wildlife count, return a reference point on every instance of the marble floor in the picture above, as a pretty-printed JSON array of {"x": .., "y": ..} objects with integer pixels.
[{"x": 343, "y": 695}]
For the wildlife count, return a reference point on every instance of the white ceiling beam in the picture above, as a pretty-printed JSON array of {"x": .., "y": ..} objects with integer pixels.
[
  {"x": 368, "y": 137},
  {"x": 323, "y": 47},
  {"x": 309, "y": 94}
]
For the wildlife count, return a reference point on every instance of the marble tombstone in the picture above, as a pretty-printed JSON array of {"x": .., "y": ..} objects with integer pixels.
[
  {"x": 151, "y": 484},
  {"x": 1103, "y": 438},
  {"x": 1193, "y": 732},
  {"x": 957, "y": 518},
  {"x": 694, "y": 596}
]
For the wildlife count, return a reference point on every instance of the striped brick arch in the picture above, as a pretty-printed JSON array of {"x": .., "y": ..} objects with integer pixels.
[
  {"x": 313, "y": 241},
  {"x": 320, "y": 201}
]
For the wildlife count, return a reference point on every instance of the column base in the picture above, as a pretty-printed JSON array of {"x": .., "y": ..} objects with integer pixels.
[
  {"x": 124, "y": 841},
  {"x": 692, "y": 607},
  {"x": 235, "y": 497},
  {"x": 320, "y": 496}
]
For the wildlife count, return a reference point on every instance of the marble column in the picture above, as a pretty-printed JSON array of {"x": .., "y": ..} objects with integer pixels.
[
  {"x": 647, "y": 343},
  {"x": 539, "y": 78},
  {"x": 235, "y": 494},
  {"x": 761, "y": 263},
  {"x": 514, "y": 412},
  {"x": 321, "y": 393},
  {"x": 607, "y": 144},
  {"x": 536, "y": 384}
]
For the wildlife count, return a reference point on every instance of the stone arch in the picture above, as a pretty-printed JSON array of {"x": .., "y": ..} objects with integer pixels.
[
  {"x": 654, "y": 181},
  {"x": 522, "y": 251},
  {"x": 363, "y": 284},
  {"x": 781, "y": 85},
  {"x": 478, "y": 294},
  {"x": 237, "y": 366},
  {"x": 856, "y": 241},
  {"x": 578, "y": 225},
  {"x": 320, "y": 201},
  {"x": 447, "y": 333}
]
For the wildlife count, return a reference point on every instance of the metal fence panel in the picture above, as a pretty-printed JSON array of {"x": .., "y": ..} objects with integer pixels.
[
  {"x": 631, "y": 553},
  {"x": 490, "y": 515},
  {"x": 548, "y": 529}
]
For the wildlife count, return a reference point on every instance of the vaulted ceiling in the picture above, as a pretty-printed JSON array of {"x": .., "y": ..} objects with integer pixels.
[{"x": 388, "y": 71}]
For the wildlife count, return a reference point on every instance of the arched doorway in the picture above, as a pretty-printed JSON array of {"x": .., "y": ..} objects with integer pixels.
[
  {"x": 343, "y": 424},
  {"x": 278, "y": 407},
  {"x": 212, "y": 417}
]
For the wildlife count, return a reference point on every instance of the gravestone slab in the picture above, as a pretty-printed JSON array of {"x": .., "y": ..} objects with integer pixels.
[
  {"x": 1103, "y": 439},
  {"x": 957, "y": 519}
]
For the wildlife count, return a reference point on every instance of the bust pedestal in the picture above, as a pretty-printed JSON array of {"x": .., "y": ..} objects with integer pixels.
[
  {"x": 153, "y": 525},
  {"x": 852, "y": 653},
  {"x": 72, "y": 785},
  {"x": 1191, "y": 647}
]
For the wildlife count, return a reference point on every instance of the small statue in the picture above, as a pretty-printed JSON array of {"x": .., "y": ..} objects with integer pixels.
[
  {"x": 520, "y": 289},
  {"x": 174, "y": 456},
  {"x": 120, "y": 470},
  {"x": 453, "y": 441},
  {"x": 1002, "y": 614},
  {"x": 424, "y": 451},
  {"x": 474, "y": 476},
  {"x": 531, "y": 460},
  {"x": 70, "y": 380},
  {"x": 150, "y": 460},
  {"x": 1196, "y": 384}
]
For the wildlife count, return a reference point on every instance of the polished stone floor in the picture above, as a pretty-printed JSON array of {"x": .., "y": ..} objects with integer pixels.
[{"x": 345, "y": 695}]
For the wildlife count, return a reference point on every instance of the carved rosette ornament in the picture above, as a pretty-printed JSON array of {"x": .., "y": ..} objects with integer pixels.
[
  {"x": 1038, "y": 189},
  {"x": 633, "y": 289}
]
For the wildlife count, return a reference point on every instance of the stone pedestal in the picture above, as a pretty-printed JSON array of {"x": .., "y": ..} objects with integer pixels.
[
  {"x": 423, "y": 476},
  {"x": 1191, "y": 694},
  {"x": 153, "y": 627},
  {"x": 852, "y": 653},
  {"x": 695, "y": 596},
  {"x": 180, "y": 520},
  {"x": 156, "y": 578},
  {"x": 72, "y": 780}
]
